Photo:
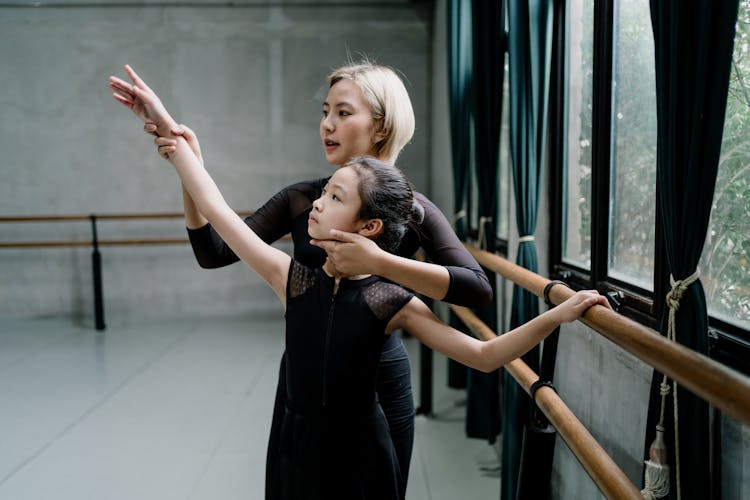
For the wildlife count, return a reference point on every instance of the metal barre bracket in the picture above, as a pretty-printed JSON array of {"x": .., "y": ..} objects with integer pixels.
[{"x": 547, "y": 289}]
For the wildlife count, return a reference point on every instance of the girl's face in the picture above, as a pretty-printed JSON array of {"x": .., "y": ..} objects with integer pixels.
[
  {"x": 338, "y": 207},
  {"x": 347, "y": 127}
]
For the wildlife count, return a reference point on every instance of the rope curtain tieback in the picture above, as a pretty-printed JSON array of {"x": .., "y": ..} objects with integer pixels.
[
  {"x": 656, "y": 475},
  {"x": 524, "y": 239},
  {"x": 482, "y": 236}
]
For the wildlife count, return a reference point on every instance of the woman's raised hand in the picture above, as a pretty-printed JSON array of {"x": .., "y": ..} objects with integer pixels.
[
  {"x": 142, "y": 101},
  {"x": 166, "y": 145},
  {"x": 575, "y": 306}
]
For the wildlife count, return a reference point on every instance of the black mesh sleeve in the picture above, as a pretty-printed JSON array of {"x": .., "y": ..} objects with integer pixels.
[
  {"x": 270, "y": 222},
  {"x": 469, "y": 285},
  {"x": 386, "y": 299}
]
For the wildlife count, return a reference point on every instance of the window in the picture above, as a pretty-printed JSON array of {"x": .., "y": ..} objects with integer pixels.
[
  {"x": 633, "y": 149},
  {"x": 576, "y": 246},
  {"x": 724, "y": 266},
  {"x": 610, "y": 108},
  {"x": 604, "y": 170}
]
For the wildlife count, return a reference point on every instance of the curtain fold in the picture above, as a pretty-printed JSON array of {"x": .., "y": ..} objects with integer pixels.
[
  {"x": 460, "y": 67},
  {"x": 460, "y": 99},
  {"x": 693, "y": 42},
  {"x": 529, "y": 50},
  {"x": 483, "y": 405}
]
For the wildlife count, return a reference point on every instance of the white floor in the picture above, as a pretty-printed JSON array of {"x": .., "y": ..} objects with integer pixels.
[{"x": 178, "y": 409}]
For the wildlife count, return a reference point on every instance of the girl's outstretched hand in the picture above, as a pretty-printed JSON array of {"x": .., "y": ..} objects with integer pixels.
[
  {"x": 166, "y": 145},
  {"x": 575, "y": 306},
  {"x": 141, "y": 100}
]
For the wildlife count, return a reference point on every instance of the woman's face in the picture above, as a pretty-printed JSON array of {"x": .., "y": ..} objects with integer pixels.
[
  {"x": 347, "y": 128},
  {"x": 338, "y": 207}
]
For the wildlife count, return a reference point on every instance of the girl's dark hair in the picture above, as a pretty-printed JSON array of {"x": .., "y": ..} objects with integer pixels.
[{"x": 387, "y": 195}]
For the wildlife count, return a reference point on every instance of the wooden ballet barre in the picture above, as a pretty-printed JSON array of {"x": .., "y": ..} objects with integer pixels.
[
  {"x": 98, "y": 242},
  {"x": 719, "y": 385},
  {"x": 101, "y": 243},
  {"x": 89, "y": 243},
  {"x": 607, "y": 475},
  {"x": 46, "y": 218},
  {"x": 122, "y": 216}
]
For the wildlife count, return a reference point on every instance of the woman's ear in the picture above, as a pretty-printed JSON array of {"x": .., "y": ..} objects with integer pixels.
[
  {"x": 380, "y": 134},
  {"x": 379, "y": 137},
  {"x": 371, "y": 228}
]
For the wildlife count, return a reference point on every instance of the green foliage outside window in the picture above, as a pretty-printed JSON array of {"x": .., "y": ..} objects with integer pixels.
[
  {"x": 633, "y": 194},
  {"x": 725, "y": 264},
  {"x": 580, "y": 70},
  {"x": 725, "y": 270}
]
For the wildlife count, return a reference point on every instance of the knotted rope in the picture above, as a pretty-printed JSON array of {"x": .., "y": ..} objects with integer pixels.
[{"x": 657, "y": 472}]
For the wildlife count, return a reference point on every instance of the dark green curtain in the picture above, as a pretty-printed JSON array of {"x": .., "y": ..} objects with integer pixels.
[
  {"x": 529, "y": 51},
  {"x": 483, "y": 405},
  {"x": 459, "y": 75},
  {"x": 461, "y": 101},
  {"x": 693, "y": 42}
]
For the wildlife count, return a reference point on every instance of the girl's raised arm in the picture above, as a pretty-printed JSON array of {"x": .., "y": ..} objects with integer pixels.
[
  {"x": 270, "y": 263},
  {"x": 272, "y": 221}
]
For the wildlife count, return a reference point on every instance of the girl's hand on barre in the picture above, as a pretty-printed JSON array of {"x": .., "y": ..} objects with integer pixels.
[
  {"x": 575, "y": 306},
  {"x": 166, "y": 145},
  {"x": 142, "y": 101}
]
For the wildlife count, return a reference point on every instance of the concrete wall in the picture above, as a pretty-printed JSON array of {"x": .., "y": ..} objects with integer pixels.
[
  {"x": 250, "y": 79},
  {"x": 607, "y": 389}
]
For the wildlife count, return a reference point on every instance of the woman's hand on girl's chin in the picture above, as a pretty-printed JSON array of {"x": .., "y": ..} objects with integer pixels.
[{"x": 350, "y": 253}]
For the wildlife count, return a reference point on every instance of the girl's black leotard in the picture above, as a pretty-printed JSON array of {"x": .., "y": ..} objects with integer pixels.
[
  {"x": 334, "y": 439},
  {"x": 287, "y": 213}
]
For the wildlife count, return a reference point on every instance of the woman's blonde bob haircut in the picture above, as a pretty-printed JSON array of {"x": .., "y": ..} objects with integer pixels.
[{"x": 389, "y": 103}]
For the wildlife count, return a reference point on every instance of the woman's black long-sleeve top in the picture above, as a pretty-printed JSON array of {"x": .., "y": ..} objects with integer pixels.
[{"x": 287, "y": 213}]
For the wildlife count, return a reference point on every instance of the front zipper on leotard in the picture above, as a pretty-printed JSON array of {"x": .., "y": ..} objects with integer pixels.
[{"x": 327, "y": 347}]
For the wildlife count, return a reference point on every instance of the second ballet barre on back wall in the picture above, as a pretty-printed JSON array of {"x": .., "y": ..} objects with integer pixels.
[{"x": 95, "y": 243}]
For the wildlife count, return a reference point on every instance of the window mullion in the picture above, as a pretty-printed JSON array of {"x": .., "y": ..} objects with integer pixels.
[
  {"x": 601, "y": 138},
  {"x": 558, "y": 130}
]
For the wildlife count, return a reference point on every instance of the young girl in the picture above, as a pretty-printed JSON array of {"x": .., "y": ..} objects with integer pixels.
[
  {"x": 334, "y": 438},
  {"x": 367, "y": 111}
]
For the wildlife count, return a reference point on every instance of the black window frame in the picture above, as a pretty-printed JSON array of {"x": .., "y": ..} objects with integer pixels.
[{"x": 728, "y": 343}]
